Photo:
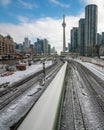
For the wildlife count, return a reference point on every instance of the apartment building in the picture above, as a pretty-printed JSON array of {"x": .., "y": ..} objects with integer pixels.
[{"x": 6, "y": 47}]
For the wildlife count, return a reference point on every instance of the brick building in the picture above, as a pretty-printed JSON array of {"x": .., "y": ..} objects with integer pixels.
[{"x": 6, "y": 47}]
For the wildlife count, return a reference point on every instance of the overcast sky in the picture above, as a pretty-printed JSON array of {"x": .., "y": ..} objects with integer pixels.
[{"x": 43, "y": 18}]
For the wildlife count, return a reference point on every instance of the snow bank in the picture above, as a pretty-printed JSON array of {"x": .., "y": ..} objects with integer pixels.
[{"x": 18, "y": 75}]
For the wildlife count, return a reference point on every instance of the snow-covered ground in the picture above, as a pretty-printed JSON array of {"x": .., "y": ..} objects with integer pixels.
[
  {"x": 19, "y": 107},
  {"x": 96, "y": 69},
  {"x": 18, "y": 75},
  {"x": 16, "y": 108}
]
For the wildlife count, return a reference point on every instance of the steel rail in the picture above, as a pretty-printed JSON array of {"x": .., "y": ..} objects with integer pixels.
[
  {"x": 92, "y": 82},
  {"x": 20, "y": 91},
  {"x": 45, "y": 114},
  {"x": 82, "y": 91},
  {"x": 24, "y": 80},
  {"x": 94, "y": 88}
]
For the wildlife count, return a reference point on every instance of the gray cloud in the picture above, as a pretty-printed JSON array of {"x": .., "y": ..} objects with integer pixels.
[
  {"x": 49, "y": 28},
  {"x": 41, "y": 28}
]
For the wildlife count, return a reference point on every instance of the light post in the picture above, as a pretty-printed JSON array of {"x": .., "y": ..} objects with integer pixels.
[{"x": 44, "y": 71}]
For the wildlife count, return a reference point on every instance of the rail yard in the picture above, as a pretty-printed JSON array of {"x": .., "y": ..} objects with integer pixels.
[
  {"x": 83, "y": 107},
  {"x": 72, "y": 98}
]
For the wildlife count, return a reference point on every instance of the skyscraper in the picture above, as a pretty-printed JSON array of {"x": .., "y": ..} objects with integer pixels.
[
  {"x": 81, "y": 37},
  {"x": 91, "y": 15},
  {"x": 64, "y": 40},
  {"x": 74, "y": 40},
  {"x": 26, "y": 43},
  {"x": 102, "y": 38},
  {"x": 42, "y": 46},
  {"x": 45, "y": 46},
  {"x": 38, "y": 46},
  {"x": 99, "y": 39}
]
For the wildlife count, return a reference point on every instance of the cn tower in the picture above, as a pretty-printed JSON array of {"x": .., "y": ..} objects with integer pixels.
[{"x": 64, "y": 40}]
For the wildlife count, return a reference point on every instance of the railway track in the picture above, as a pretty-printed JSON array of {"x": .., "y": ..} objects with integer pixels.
[
  {"x": 83, "y": 107},
  {"x": 48, "y": 106},
  {"x": 18, "y": 89},
  {"x": 72, "y": 117},
  {"x": 22, "y": 81},
  {"x": 96, "y": 85},
  {"x": 95, "y": 94}
]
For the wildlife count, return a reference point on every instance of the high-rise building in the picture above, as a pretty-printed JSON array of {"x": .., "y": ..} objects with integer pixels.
[
  {"x": 42, "y": 46},
  {"x": 26, "y": 43},
  {"x": 18, "y": 47},
  {"x": 91, "y": 15},
  {"x": 64, "y": 40},
  {"x": 69, "y": 47},
  {"x": 81, "y": 37},
  {"x": 49, "y": 48},
  {"x": 38, "y": 46},
  {"x": 102, "y": 38},
  {"x": 99, "y": 38},
  {"x": 74, "y": 40},
  {"x": 45, "y": 46},
  {"x": 53, "y": 50}
]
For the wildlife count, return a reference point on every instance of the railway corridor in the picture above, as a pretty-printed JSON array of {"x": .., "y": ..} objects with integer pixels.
[
  {"x": 83, "y": 107},
  {"x": 79, "y": 105},
  {"x": 19, "y": 99}
]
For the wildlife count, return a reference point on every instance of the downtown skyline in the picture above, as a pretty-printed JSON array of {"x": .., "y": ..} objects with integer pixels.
[{"x": 44, "y": 19}]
